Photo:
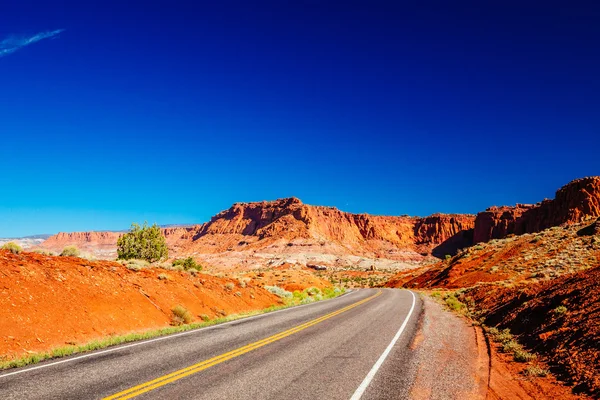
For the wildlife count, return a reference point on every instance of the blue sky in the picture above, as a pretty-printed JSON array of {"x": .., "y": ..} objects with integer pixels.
[{"x": 171, "y": 111}]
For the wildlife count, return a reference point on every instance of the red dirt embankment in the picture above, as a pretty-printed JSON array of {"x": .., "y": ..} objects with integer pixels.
[
  {"x": 544, "y": 287},
  {"x": 558, "y": 318},
  {"x": 47, "y": 301}
]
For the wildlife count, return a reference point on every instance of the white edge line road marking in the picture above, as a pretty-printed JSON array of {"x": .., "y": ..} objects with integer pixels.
[
  {"x": 365, "y": 383},
  {"x": 96, "y": 353}
]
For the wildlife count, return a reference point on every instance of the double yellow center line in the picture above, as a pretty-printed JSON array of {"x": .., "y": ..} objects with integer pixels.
[{"x": 192, "y": 369}]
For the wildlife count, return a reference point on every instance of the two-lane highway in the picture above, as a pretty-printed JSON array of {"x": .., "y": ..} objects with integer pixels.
[{"x": 351, "y": 347}]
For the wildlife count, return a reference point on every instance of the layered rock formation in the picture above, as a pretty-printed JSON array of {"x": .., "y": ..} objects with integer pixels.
[
  {"x": 260, "y": 224},
  {"x": 574, "y": 202},
  {"x": 281, "y": 226}
]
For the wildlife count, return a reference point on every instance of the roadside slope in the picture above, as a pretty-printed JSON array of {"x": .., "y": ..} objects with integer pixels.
[{"x": 48, "y": 301}]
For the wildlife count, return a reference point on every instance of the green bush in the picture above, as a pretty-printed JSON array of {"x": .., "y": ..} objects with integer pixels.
[
  {"x": 511, "y": 346},
  {"x": 501, "y": 336},
  {"x": 187, "y": 264},
  {"x": 560, "y": 310},
  {"x": 521, "y": 355},
  {"x": 276, "y": 290},
  {"x": 536, "y": 370},
  {"x": 454, "y": 304},
  {"x": 70, "y": 251},
  {"x": 142, "y": 242},
  {"x": 180, "y": 316},
  {"x": 12, "y": 247}
]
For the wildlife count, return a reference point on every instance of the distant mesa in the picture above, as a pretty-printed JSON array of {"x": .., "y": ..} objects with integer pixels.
[
  {"x": 574, "y": 202},
  {"x": 290, "y": 226}
]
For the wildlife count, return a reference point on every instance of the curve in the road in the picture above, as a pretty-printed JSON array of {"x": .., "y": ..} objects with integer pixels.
[{"x": 201, "y": 366}]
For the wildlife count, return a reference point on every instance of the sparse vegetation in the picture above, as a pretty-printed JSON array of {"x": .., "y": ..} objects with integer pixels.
[
  {"x": 560, "y": 310},
  {"x": 520, "y": 355},
  {"x": 12, "y": 247},
  {"x": 536, "y": 371},
  {"x": 453, "y": 303},
  {"x": 43, "y": 252},
  {"x": 510, "y": 345},
  {"x": 120, "y": 339},
  {"x": 163, "y": 277},
  {"x": 180, "y": 316},
  {"x": 229, "y": 286},
  {"x": 70, "y": 251},
  {"x": 135, "y": 265},
  {"x": 142, "y": 242},
  {"x": 187, "y": 264},
  {"x": 276, "y": 290}
]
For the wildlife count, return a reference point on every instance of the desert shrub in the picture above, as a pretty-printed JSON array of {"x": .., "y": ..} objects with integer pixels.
[
  {"x": 204, "y": 317},
  {"x": 453, "y": 303},
  {"x": 560, "y": 310},
  {"x": 142, "y": 242},
  {"x": 329, "y": 293},
  {"x": 521, "y": 355},
  {"x": 511, "y": 346},
  {"x": 187, "y": 264},
  {"x": 163, "y": 277},
  {"x": 238, "y": 294},
  {"x": 313, "y": 291},
  {"x": 12, "y": 247},
  {"x": 229, "y": 286},
  {"x": 135, "y": 265},
  {"x": 180, "y": 316},
  {"x": 70, "y": 251},
  {"x": 536, "y": 370},
  {"x": 276, "y": 290},
  {"x": 501, "y": 336},
  {"x": 447, "y": 257},
  {"x": 43, "y": 252}
]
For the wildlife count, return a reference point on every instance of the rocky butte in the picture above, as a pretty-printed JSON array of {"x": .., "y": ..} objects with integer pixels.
[
  {"x": 574, "y": 202},
  {"x": 292, "y": 223}
]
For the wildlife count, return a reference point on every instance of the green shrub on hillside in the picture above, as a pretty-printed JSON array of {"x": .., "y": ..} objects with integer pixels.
[
  {"x": 143, "y": 243},
  {"x": 70, "y": 251},
  {"x": 180, "y": 316},
  {"x": 187, "y": 264},
  {"x": 12, "y": 247},
  {"x": 276, "y": 290},
  {"x": 560, "y": 310}
]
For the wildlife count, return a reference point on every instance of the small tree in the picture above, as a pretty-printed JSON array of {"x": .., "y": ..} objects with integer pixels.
[
  {"x": 142, "y": 243},
  {"x": 70, "y": 251},
  {"x": 12, "y": 247}
]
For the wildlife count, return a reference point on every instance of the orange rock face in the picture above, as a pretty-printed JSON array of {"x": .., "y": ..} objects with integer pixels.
[
  {"x": 256, "y": 225},
  {"x": 573, "y": 202}
]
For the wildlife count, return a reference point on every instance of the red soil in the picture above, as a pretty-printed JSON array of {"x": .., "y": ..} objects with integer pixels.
[
  {"x": 519, "y": 282},
  {"x": 48, "y": 301},
  {"x": 570, "y": 340}
]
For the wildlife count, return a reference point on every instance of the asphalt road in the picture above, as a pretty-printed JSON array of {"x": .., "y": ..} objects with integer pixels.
[{"x": 355, "y": 346}]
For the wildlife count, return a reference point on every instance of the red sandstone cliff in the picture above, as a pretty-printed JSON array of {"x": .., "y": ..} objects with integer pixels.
[
  {"x": 263, "y": 223},
  {"x": 573, "y": 203}
]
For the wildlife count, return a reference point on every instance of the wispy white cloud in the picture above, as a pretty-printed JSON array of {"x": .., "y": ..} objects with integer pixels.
[{"x": 14, "y": 43}]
